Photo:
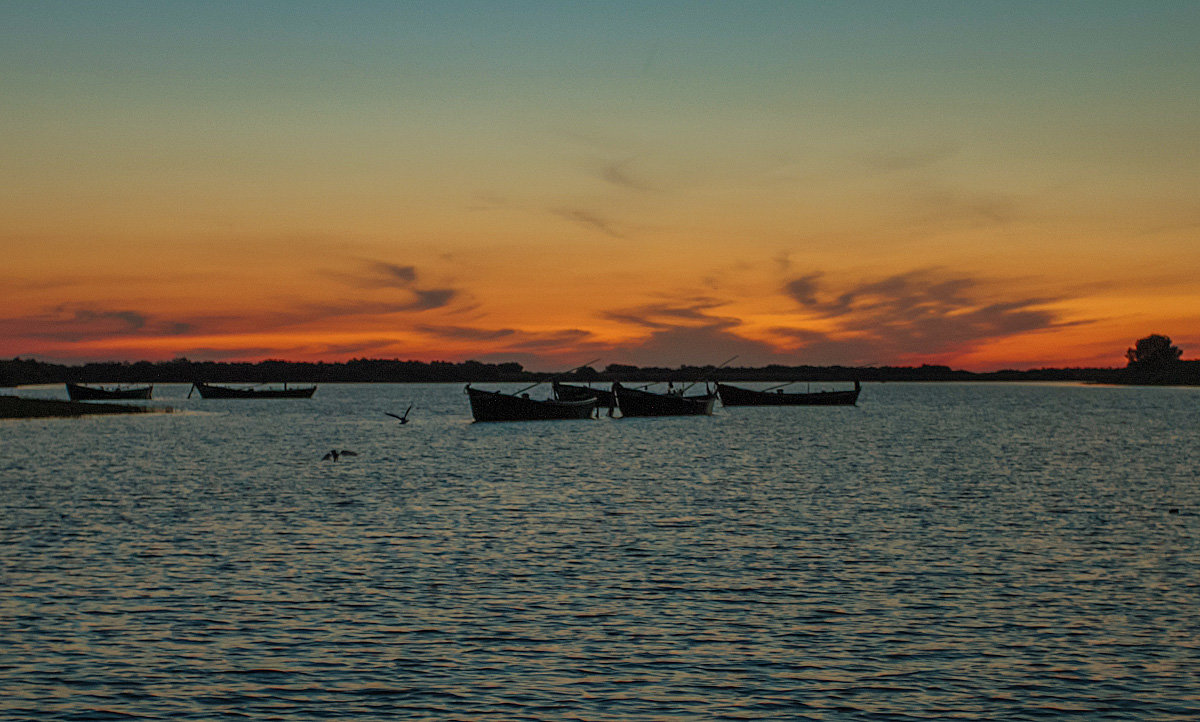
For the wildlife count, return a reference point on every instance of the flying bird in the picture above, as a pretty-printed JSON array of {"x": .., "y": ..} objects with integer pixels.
[
  {"x": 404, "y": 418},
  {"x": 334, "y": 454}
]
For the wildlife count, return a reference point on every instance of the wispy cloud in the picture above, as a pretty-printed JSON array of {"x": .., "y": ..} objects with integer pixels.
[
  {"x": 692, "y": 312},
  {"x": 902, "y": 293},
  {"x": 905, "y": 316},
  {"x": 619, "y": 174},
  {"x": 689, "y": 333},
  {"x": 403, "y": 276},
  {"x": 431, "y": 298},
  {"x": 386, "y": 289},
  {"x": 466, "y": 333},
  {"x": 80, "y": 323},
  {"x": 376, "y": 274},
  {"x": 133, "y": 321},
  {"x": 591, "y": 221},
  {"x": 379, "y": 275}
]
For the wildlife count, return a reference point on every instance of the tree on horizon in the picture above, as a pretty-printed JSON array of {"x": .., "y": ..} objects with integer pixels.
[{"x": 1154, "y": 351}]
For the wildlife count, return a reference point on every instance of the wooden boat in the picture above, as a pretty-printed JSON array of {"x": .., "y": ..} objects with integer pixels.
[
  {"x": 209, "y": 391},
  {"x": 79, "y": 392},
  {"x": 636, "y": 402},
  {"x": 569, "y": 392},
  {"x": 499, "y": 406},
  {"x": 735, "y": 396},
  {"x": 18, "y": 407}
]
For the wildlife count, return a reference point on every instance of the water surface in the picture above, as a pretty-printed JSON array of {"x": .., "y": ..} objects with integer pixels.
[{"x": 998, "y": 551}]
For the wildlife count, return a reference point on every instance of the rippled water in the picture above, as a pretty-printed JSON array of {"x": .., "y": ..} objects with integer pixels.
[{"x": 939, "y": 551}]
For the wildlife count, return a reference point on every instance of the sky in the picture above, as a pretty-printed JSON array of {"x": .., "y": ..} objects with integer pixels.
[{"x": 987, "y": 185}]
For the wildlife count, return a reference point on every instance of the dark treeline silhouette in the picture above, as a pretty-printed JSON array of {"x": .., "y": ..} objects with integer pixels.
[
  {"x": 17, "y": 372},
  {"x": 1153, "y": 360},
  {"x": 181, "y": 370},
  {"x": 1180, "y": 373}
]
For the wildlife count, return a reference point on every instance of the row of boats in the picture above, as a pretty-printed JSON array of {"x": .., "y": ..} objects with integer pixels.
[
  {"x": 570, "y": 401},
  {"x": 83, "y": 392}
]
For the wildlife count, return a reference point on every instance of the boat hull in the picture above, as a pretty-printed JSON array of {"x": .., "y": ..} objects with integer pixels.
[
  {"x": 496, "y": 406},
  {"x": 634, "y": 402},
  {"x": 208, "y": 391},
  {"x": 79, "y": 392},
  {"x": 735, "y": 396},
  {"x": 568, "y": 392}
]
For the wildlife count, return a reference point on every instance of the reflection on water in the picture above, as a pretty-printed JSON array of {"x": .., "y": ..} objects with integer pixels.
[{"x": 995, "y": 551}]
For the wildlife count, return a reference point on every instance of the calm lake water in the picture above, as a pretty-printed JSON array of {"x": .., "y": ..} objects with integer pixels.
[{"x": 939, "y": 551}]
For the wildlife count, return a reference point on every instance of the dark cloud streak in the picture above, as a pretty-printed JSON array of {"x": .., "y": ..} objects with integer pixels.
[
  {"x": 688, "y": 333},
  {"x": 382, "y": 275},
  {"x": 465, "y": 333},
  {"x": 400, "y": 275},
  {"x": 591, "y": 221},
  {"x": 904, "y": 316},
  {"x": 617, "y": 173},
  {"x": 84, "y": 323}
]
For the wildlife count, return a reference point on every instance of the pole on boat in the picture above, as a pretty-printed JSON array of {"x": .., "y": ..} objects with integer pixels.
[
  {"x": 555, "y": 377},
  {"x": 778, "y": 386},
  {"x": 807, "y": 386},
  {"x": 715, "y": 369}
]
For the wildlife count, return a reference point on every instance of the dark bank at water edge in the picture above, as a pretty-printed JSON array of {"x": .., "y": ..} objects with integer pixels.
[{"x": 15, "y": 407}]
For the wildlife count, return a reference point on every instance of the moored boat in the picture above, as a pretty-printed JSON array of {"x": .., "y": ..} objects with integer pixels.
[
  {"x": 736, "y": 396},
  {"x": 209, "y": 391},
  {"x": 499, "y": 406},
  {"x": 19, "y": 407},
  {"x": 570, "y": 392},
  {"x": 637, "y": 402},
  {"x": 80, "y": 392}
]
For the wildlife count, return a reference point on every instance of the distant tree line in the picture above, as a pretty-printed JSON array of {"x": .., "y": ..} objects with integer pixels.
[
  {"x": 181, "y": 370},
  {"x": 1152, "y": 360}
]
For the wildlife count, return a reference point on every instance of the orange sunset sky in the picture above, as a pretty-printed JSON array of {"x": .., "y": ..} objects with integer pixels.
[{"x": 985, "y": 185}]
